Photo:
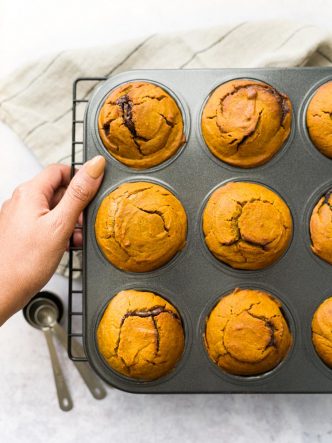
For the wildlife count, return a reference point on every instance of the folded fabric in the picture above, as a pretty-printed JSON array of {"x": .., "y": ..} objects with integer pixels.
[{"x": 36, "y": 100}]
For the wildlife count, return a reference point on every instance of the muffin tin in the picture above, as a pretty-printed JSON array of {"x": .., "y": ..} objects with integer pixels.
[{"x": 194, "y": 280}]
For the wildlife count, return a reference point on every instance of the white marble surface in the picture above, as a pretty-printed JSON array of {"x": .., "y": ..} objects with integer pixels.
[{"x": 28, "y": 406}]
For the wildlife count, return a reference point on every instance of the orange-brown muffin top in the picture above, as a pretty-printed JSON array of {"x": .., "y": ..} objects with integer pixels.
[
  {"x": 246, "y": 122},
  {"x": 321, "y": 228},
  {"x": 141, "y": 125},
  {"x": 140, "y": 335},
  {"x": 321, "y": 327},
  {"x": 319, "y": 119},
  {"x": 246, "y": 333},
  {"x": 140, "y": 226},
  {"x": 246, "y": 225}
]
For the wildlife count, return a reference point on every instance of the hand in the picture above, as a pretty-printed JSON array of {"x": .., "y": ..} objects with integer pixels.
[{"x": 35, "y": 227}]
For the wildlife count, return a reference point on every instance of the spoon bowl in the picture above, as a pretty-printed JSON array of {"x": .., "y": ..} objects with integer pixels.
[
  {"x": 46, "y": 315},
  {"x": 42, "y": 306}
]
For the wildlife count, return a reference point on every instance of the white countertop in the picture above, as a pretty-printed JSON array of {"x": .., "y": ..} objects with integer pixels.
[{"x": 28, "y": 405}]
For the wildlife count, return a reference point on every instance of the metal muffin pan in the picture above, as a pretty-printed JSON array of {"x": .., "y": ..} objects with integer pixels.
[{"x": 194, "y": 280}]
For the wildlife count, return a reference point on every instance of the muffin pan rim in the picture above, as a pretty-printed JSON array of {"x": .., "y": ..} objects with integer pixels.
[
  {"x": 173, "y": 260},
  {"x": 220, "y": 264},
  {"x": 282, "y": 150},
  {"x": 185, "y": 113},
  {"x": 286, "y": 312}
]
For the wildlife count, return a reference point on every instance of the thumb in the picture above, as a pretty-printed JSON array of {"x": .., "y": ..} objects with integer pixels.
[{"x": 79, "y": 193}]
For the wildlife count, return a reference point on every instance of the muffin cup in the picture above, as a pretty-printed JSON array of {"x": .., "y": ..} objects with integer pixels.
[
  {"x": 186, "y": 129},
  {"x": 306, "y": 236},
  {"x": 248, "y": 379},
  {"x": 187, "y": 328},
  {"x": 308, "y": 143},
  {"x": 161, "y": 269},
  {"x": 313, "y": 357},
  {"x": 269, "y": 163},
  {"x": 209, "y": 255}
]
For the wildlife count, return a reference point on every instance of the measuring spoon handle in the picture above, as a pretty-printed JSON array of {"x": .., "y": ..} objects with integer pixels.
[
  {"x": 64, "y": 398},
  {"x": 91, "y": 380}
]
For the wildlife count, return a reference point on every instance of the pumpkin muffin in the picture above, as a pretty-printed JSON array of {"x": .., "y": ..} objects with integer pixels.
[
  {"x": 246, "y": 333},
  {"x": 319, "y": 119},
  {"x": 321, "y": 328},
  {"x": 140, "y": 335},
  {"x": 246, "y": 225},
  {"x": 141, "y": 125},
  {"x": 140, "y": 226},
  {"x": 246, "y": 122},
  {"x": 321, "y": 228}
]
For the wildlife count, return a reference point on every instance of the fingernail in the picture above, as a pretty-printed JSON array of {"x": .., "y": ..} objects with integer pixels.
[{"x": 95, "y": 167}]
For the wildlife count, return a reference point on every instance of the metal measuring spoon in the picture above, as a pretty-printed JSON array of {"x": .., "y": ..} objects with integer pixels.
[
  {"x": 90, "y": 379},
  {"x": 39, "y": 317},
  {"x": 51, "y": 309}
]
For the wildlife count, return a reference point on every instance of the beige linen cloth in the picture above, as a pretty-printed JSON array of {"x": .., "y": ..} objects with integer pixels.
[{"x": 36, "y": 100}]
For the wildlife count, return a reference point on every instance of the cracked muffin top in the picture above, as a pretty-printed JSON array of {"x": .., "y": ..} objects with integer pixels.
[
  {"x": 140, "y": 335},
  {"x": 246, "y": 333},
  {"x": 321, "y": 328},
  {"x": 319, "y": 119},
  {"x": 246, "y": 225},
  {"x": 141, "y": 125},
  {"x": 140, "y": 226},
  {"x": 246, "y": 122},
  {"x": 321, "y": 228}
]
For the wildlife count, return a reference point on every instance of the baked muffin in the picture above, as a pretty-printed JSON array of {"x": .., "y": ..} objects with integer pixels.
[
  {"x": 246, "y": 333},
  {"x": 321, "y": 228},
  {"x": 319, "y": 121},
  {"x": 246, "y": 225},
  {"x": 140, "y": 226},
  {"x": 141, "y": 125},
  {"x": 140, "y": 335},
  {"x": 321, "y": 328},
  {"x": 246, "y": 122}
]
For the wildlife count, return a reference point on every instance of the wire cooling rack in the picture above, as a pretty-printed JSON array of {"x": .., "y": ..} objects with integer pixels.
[{"x": 82, "y": 89}]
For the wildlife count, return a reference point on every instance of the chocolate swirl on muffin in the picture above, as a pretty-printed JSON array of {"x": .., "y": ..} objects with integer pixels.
[
  {"x": 140, "y": 335},
  {"x": 141, "y": 125},
  {"x": 246, "y": 122}
]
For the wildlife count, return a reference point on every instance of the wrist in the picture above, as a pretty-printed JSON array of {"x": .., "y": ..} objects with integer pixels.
[{"x": 13, "y": 296}]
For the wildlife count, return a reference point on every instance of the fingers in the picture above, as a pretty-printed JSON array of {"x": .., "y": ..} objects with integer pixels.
[
  {"x": 78, "y": 233},
  {"x": 48, "y": 181},
  {"x": 4, "y": 205},
  {"x": 78, "y": 237},
  {"x": 79, "y": 193},
  {"x": 55, "y": 174},
  {"x": 57, "y": 197},
  {"x": 77, "y": 240}
]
